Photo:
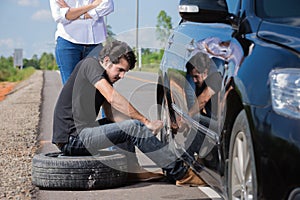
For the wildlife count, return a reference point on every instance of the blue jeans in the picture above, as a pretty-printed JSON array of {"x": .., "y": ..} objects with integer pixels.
[
  {"x": 68, "y": 54},
  {"x": 133, "y": 132}
]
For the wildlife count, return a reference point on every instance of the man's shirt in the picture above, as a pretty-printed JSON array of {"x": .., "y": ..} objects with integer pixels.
[{"x": 79, "y": 102}]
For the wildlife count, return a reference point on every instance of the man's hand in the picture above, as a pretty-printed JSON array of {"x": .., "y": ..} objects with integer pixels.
[
  {"x": 155, "y": 126},
  {"x": 183, "y": 126}
]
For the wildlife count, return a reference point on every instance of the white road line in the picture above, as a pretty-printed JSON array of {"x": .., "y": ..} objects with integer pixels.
[
  {"x": 140, "y": 79},
  {"x": 210, "y": 193}
]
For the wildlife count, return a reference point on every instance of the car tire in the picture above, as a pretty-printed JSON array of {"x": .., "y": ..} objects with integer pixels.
[
  {"x": 242, "y": 181},
  {"x": 53, "y": 170}
]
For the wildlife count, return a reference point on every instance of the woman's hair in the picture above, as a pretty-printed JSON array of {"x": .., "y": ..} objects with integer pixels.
[{"x": 116, "y": 50}]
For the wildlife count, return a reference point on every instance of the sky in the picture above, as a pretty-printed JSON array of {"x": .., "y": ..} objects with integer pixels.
[{"x": 28, "y": 24}]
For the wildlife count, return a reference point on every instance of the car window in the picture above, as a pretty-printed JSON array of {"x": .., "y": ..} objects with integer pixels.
[{"x": 277, "y": 8}]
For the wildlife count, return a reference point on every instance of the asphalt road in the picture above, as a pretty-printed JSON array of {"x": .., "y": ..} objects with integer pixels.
[{"x": 139, "y": 88}]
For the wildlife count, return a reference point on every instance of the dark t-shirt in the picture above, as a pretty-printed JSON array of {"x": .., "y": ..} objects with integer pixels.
[
  {"x": 79, "y": 102},
  {"x": 214, "y": 81}
]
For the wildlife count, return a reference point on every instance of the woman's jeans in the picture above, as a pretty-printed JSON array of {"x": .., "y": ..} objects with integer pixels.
[
  {"x": 68, "y": 54},
  {"x": 91, "y": 140}
]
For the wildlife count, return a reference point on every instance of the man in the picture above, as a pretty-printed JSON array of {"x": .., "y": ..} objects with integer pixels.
[
  {"x": 77, "y": 132},
  {"x": 207, "y": 81}
]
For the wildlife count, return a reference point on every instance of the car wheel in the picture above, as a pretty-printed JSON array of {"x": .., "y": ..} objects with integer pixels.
[
  {"x": 242, "y": 182},
  {"x": 53, "y": 170}
]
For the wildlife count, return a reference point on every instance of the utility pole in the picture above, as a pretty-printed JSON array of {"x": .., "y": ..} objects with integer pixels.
[{"x": 137, "y": 36}]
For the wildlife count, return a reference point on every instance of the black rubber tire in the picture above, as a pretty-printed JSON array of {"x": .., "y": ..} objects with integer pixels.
[
  {"x": 241, "y": 142},
  {"x": 55, "y": 171}
]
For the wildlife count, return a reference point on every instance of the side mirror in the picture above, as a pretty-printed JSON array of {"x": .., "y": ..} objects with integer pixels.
[{"x": 203, "y": 10}]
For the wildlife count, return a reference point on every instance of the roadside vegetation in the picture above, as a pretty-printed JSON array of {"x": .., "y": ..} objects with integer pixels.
[
  {"x": 10, "y": 73},
  {"x": 151, "y": 58}
]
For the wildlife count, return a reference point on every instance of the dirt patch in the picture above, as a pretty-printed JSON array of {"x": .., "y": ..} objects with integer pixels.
[{"x": 5, "y": 88}]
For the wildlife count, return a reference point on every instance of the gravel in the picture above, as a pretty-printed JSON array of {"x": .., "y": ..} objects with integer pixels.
[{"x": 19, "y": 118}]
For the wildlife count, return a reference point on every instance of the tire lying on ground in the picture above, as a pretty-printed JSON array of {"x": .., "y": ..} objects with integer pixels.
[{"x": 53, "y": 170}]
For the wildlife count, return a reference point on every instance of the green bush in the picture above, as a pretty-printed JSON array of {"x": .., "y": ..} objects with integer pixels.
[
  {"x": 6, "y": 73},
  {"x": 21, "y": 74},
  {"x": 13, "y": 75}
]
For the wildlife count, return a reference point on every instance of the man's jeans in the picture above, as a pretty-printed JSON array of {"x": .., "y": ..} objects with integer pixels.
[
  {"x": 133, "y": 132},
  {"x": 68, "y": 54}
]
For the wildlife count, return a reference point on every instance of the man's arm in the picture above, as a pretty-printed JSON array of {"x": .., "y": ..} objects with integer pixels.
[
  {"x": 202, "y": 99},
  {"x": 120, "y": 103},
  {"x": 113, "y": 114}
]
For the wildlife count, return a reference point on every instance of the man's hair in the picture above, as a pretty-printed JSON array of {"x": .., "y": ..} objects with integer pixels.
[{"x": 116, "y": 50}]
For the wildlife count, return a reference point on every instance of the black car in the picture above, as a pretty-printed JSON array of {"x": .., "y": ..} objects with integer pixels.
[{"x": 229, "y": 90}]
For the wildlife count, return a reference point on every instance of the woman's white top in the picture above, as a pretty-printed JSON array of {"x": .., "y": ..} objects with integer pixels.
[{"x": 82, "y": 31}]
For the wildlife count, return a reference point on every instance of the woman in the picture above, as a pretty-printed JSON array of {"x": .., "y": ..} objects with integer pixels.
[{"x": 80, "y": 28}]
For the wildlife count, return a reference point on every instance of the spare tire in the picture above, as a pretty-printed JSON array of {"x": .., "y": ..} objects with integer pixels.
[{"x": 53, "y": 170}]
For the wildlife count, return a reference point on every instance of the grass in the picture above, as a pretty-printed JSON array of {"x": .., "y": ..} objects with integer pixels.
[
  {"x": 20, "y": 75},
  {"x": 148, "y": 68}
]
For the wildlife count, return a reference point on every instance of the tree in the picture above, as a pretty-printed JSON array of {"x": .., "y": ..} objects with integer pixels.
[
  {"x": 163, "y": 26},
  {"x": 110, "y": 33},
  {"x": 33, "y": 62},
  {"x": 6, "y": 63},
  {"x": 6, "y": 68},
  {"x": 47, "y": 61}
]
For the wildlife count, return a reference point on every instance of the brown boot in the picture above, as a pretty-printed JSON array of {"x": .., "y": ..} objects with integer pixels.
[
  {"x": 190, "y": 179},
  {"x": 144, "y": 176},
  {"x": 141, "y": 175}
]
